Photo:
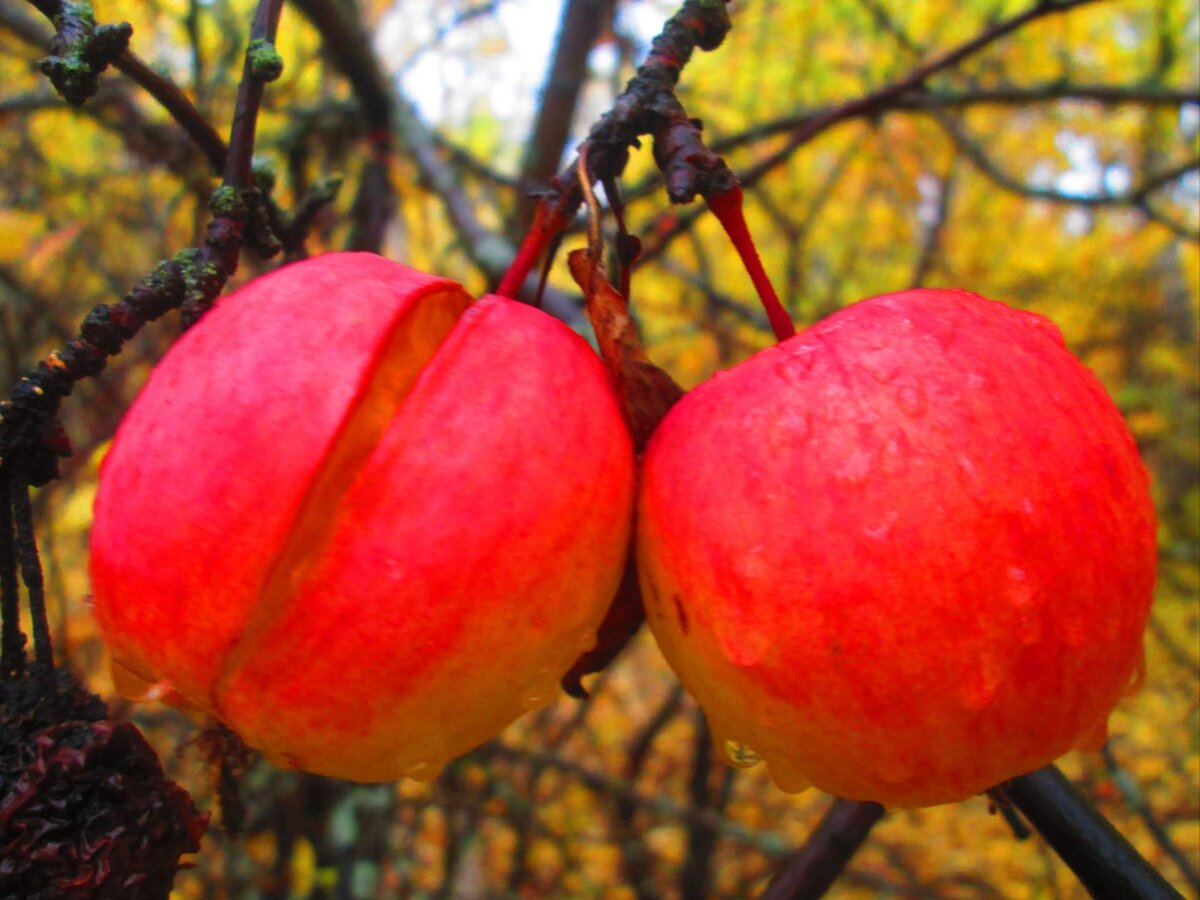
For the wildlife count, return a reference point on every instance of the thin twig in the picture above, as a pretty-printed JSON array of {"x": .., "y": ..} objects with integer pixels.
[
  {"x": 812, "y": 869},
  {"x": 1135, "y": 196},
  {"x": 31, "y": 439},
  {"x": 919, "y": 99},
  {"x": 696, "y": 873},
  {"x": 169, "y": 96},
  {"x": 1136, "y": 801},
  {"x": 25, "y": 543},
  {"x": 887, "y": 96},
  {"x": 12, "y": 641},
  {"x": 177, "y": 103},
  {"x": 582, "y": 23},
  {"x": 870, "y": 104}
]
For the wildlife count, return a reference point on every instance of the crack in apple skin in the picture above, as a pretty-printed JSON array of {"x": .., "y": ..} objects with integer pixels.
[{"x": 371, "y": 549}]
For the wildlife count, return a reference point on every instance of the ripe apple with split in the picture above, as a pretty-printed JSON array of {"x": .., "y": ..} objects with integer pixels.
[
  {"x": 360, "y": 519},
  {"x": 904, "y": 555}
]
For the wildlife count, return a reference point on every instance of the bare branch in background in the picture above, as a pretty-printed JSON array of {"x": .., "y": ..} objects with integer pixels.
[
  {"x": 583, "y": 23},
  {"x": 1137, "y": 802},
  {"x": 870, "y": 104},
  {"x": 934, "y": 230},
  {"x": 696, "y": 875},
  {"x": 927, "y": 99},
  {"x": 178, "y": 105},
  {"x": 164, "y": 91},
  {"x": 634, "y": 857},
  {"x": 29, "y": 430},
  {"x": 812, "y": 869},
  {"x": 1137, "y": 195},
  {"x": 347, "y": 44}
]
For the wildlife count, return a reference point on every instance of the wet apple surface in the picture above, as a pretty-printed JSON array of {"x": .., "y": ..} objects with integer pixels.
[
  {"x": 904, "y": 555},
  {"x": 360, "y": 519}
]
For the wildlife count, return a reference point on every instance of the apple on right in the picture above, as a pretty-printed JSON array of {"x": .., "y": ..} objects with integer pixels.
[{"x": 904, "y": 555}]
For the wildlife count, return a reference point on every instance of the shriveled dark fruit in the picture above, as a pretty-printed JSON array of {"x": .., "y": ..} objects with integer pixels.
[{"x": 85, "y": 810}]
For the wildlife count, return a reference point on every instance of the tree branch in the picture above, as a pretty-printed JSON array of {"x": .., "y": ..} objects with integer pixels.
[
  {"x": 582, "y": 24},
  {"x": 812, "y": 869},
  {"x": 1135, "y": 196},
  {"x": 348, "y": 46},
  {"x": 919, "y": 99},
  {"x": 886, "y": 97},
  {"x": 1100, "y": 857},
  {"x": 934, "y": 230},
  {"x": 190, "y": 281},
  {"x": 1136, "y": 801},
  {"x": 870, "y": 104},
  {"x": 77, "y": 73},
  {"x": 177, "y": 103},
  {"x": 648, "y": 105}
]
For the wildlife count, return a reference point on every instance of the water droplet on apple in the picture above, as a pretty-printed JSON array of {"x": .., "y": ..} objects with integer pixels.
[
  {"x": 980, "y": 688},
  {"x": 752, "y": 565},
  {"x": 425, "y": 771},
  {"x": 897, "y": 454},
  {"x": 1138, "y": 677},
  {"x": 540, "y": 690},
  {"x": 876, "y": 339},
  {"x": 746, "y": 643},
  {"x": 797, "y": 426},
  {"x": 1022, "y": 594},
  {"x": 796, "y": 362},
  {"x": 883, "y": 527},
  {"x": 739, "y": 755},
  {"x": 967, "y": 468},
  {"x": 910, "y": 397},
  {"x": 586, "y": 641},
  {"x": 883, "y": 364},
  {"x": 856, "y": 468},
  {"x": 1044, "y": 325}
]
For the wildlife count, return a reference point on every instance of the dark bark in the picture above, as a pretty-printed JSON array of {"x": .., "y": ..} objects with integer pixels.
[
  {"x": 1103, "y": 861},
  {"x": 812, "y": 869}
]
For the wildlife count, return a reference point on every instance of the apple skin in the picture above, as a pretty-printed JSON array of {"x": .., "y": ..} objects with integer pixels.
[
  {"x": 360, "y": 520},
  {"x": 903, "y": 556}
]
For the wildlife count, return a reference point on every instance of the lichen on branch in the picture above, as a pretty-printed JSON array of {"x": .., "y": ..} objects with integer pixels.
[{"x": 81, "y": 49}]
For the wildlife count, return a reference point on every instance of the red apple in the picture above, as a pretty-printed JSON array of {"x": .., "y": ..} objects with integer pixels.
[
  {"x": 361, "y": 520},
  {"x": 903, "y": 556}
]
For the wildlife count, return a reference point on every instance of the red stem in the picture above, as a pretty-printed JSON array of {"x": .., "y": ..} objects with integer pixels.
[
  {"x": 727, "y": 207},
  {"x": 547, "y": 223}
]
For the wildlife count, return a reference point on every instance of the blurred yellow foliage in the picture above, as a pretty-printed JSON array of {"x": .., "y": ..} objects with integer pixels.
[{"x": 613, "y": 797}]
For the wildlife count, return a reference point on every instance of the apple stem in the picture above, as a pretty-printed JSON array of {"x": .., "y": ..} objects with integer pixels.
[
  {"x": 727, "y": 207},
  {"x": 547, "y": 223}
]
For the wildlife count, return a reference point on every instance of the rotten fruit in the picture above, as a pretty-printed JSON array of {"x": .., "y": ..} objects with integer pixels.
[
  {"x": 360, "y": 519},
  {"x": 903, "y": 556}
]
